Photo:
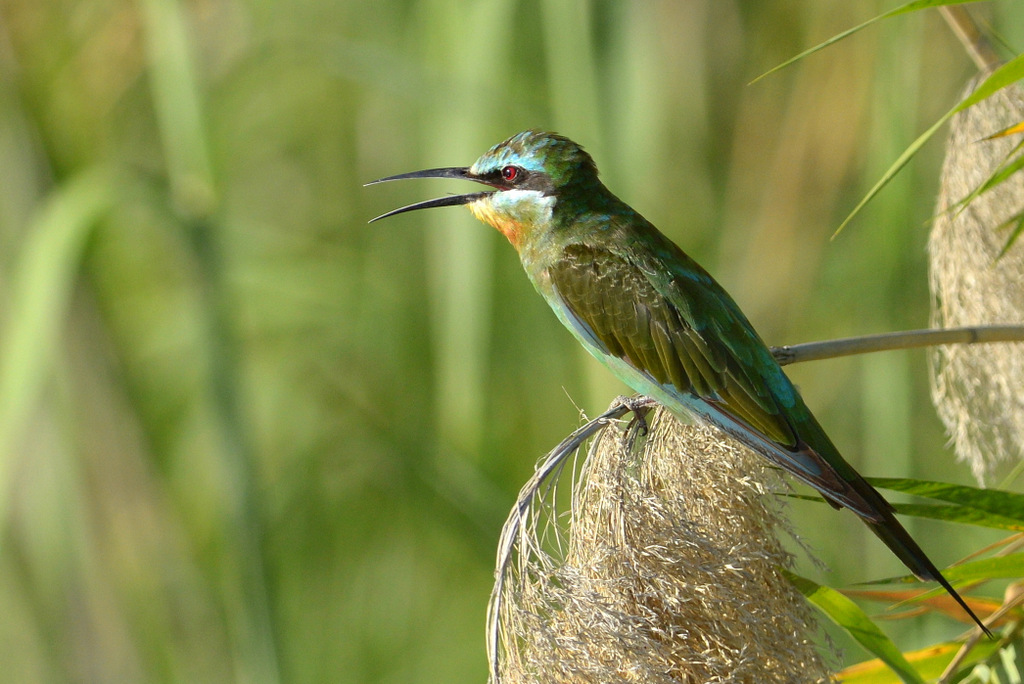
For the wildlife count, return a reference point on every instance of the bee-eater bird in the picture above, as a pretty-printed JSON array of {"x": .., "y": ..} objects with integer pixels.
[{"x": 657, "y": 319}]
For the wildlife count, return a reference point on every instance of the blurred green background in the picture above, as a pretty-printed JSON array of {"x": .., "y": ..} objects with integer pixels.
[{"x": 246, "y": 437}]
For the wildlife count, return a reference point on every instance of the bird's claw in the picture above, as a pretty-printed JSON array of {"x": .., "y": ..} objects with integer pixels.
[{"x": 638, "y": 405}]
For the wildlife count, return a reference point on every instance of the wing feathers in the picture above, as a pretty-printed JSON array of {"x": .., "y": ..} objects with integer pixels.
[
  {"x": 652, "y": 328},
  {"x": 657, "y": 310}
]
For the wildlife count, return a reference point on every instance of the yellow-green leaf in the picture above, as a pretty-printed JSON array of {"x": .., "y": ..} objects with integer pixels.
[{"x": 857, "y": 624}]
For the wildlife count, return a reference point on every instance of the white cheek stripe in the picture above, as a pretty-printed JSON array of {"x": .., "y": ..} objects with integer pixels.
[{"x": 516, "y": 198}]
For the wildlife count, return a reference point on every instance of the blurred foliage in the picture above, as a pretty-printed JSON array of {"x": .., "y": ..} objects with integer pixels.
[{"x": 246, "y": 437}]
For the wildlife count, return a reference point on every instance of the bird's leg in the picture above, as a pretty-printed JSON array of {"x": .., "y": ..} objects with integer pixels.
[{"x": 638, "y": 405}]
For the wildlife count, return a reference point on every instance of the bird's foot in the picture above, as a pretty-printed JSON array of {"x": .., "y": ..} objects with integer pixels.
[{"x": 638, "y": 405}]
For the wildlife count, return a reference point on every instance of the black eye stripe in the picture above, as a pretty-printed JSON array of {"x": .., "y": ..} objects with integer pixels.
[{"x": 524, "y": 179}]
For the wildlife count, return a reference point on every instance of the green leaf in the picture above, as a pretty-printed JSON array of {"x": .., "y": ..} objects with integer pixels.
[
  {"x": 1005, "y": 75},
  {"x": 983, "y": 570},
  {"x": 960, "y": 514},
  {"x": 1004, "y": 505},
  {"x": 968, "y": 505},
  {"x": 930, "y": 662},
  {"x": 891, "y": 172},
  {"x": 857, "y": 624},
  {"x": 1017, "y": 219},
  {"x": 178, "y": 106},
  {"x": 1004, "y": 171},
  {"x": 902, "y": 9},
  {"x": 41, "y": 285},
  {"x": 1008, "y": 74},
  {"x": 1003, "y": 567}
]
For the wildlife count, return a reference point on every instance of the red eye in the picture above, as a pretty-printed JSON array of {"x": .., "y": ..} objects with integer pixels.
[{"x": 510, "y": 173}]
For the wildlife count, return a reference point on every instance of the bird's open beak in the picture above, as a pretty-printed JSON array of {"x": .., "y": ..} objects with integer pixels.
[{"x": 452, "y": 200}]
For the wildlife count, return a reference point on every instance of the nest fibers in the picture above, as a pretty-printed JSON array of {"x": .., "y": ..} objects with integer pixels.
[
  {"x": 666, "y": 569},
  {"x": 977, "y": 389}
]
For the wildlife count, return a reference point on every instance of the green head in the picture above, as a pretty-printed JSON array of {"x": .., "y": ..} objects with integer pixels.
[{"x": 532, "y": 174}]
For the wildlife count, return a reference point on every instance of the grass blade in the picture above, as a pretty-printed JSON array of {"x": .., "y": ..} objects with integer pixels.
[
  {"x": 857, "y": 624},
  {"x": 1005, "y": 505},
  {"x": 914, "y": 6},
  {"x": 1005, "y": 75},
  {"x": 960, "y": 514},
  {"x": 40, "y": 290},
  {"x": 930, "y": 662},
  {"x": 1017, "y": 223}
]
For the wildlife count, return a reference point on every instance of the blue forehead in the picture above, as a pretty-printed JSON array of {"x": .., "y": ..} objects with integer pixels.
[{"x": 528, "y": 150}]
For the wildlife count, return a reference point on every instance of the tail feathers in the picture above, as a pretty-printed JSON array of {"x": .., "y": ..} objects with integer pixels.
[
  {"x": 906, "y": 549},
  {"x": 840, "y": 485}
]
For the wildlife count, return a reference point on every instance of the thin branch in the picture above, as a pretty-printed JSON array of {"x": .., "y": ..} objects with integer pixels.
[
  {"x": 909, "y": 339},
  {"x": 974, "y": 41}
]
